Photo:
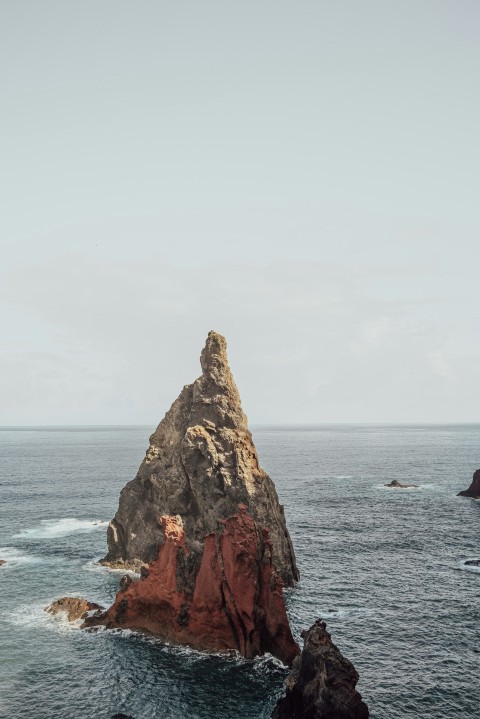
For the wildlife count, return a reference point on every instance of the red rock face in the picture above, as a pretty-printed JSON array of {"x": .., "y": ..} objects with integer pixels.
[
  {"x": 474, "y": 489},
  {"x": 237, "y": 602}
]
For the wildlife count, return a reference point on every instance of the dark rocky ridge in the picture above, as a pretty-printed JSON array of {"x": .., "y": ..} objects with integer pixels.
[
  {"x": 474, "y": 489},
  {"x": 201, "y": 464},
  {"x": 322, "y": 682}
]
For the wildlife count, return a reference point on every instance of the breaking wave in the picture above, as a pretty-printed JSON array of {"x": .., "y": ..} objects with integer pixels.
[
  {"x": 93, "y": 565},
  {"x": 54, "y": 528},
  {"x": 15, "y": 557}
]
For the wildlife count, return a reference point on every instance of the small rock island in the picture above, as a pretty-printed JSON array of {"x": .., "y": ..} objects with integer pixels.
[
  {"x": 201, "y": 464},
  {"x": 474, "y": 489},
  {"x": 322, "y": 682},
  {"x": 202, "y": 525},
  {"x": 395, "y": 484}
]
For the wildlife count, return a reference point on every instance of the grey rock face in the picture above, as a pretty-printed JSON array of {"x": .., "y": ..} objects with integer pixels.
[
  {"x": 201, "y": 464},
  {"x": 322, "y": 682}
]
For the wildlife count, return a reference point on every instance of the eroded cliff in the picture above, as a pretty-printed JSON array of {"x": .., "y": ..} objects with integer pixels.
[
  {"x": 237, "y": 603},
  {"x": 201, "y": 464}
]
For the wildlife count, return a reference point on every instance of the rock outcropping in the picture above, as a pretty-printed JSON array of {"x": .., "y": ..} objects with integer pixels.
[
  {"x": 237, "y": 603},
  {"x": 74, "y": 608},
  {"x": 395, "y": 484},
  {"x": 474, "y": 489},
  {"x": 322, "y": 682},
  {"x": 201, "y": 464}
]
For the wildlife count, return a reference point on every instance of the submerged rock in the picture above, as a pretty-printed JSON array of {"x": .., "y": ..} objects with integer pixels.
[
  {"x": 398, "y": 485},
  {"x": 75, "y": 608},
  {"x": 322, "y": 682},
  {"x": 201, "y": 464},
  {"x": 474, "y": 489},
  {"x": 2, "y": 562},
  {"x": 237, "y": 603}
]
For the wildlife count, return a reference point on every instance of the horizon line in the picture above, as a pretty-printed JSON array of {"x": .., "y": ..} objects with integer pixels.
[{"x": 259, "y": 424}]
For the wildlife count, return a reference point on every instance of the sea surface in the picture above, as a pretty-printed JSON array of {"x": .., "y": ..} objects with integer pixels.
[{"x": 383, "y": 566}]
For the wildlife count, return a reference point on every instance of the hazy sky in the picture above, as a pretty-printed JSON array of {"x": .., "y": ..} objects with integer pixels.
[{"x": 302, "y": 177}]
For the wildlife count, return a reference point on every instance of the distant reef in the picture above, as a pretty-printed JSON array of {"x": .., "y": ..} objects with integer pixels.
[
  {"x": 474, "y": 489},
  {"x": 395, "y": 484}
]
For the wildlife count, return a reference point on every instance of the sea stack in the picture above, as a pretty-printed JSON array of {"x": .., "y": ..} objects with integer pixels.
[
  {"x": 203, "y": 523},
  {"x": 200, "y": 465},
  {"x": 474, "y": 489},
  {"x": 322, "y": 682}
]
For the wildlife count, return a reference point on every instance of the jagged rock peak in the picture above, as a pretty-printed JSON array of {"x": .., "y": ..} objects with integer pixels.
[
  {"x": 200, "y": 465},
  {"x": 215, "y": 396},
  {"x": 322, "y": 682},
  {"x": 213, "y": 358}
]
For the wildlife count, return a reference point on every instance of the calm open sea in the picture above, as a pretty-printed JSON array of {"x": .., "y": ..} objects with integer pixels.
[{"x": 382, "y": 566}]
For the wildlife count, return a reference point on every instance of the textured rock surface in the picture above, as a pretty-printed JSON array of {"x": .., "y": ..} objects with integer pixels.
[
  {"x": 201, "y": 464},
  {"x": 237, "y": 603},
  {"x": 474, "y": 489},
  {"x": 398, "y": 485},
  {"x": 322, "y": 682},
  {"x": 75, "y": 608}
]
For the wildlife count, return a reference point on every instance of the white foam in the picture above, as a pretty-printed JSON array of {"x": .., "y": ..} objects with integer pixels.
[
  {"x": 469, "y": 568},
  {"x": 54, "y": 528},
  {"x": 343, "y": 476},
  {"x": 34, "y": 616},
  {"x": 93, "y": 566},
  {"x": 265, "y": 661},
  {"x": 15, "y": 557},
  {"x": 401, "y": 489}
]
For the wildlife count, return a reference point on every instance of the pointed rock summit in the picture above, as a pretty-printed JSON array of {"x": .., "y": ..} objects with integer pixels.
[
  {"x": 201, "y": 465},
  {"x": 203, "y": 523}
]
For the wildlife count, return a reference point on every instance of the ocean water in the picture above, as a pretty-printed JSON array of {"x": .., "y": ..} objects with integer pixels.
[{"x": 382, "y": 566}]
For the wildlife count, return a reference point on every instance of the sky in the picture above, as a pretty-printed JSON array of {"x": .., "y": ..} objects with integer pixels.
[{"x": 302, "y": 177}]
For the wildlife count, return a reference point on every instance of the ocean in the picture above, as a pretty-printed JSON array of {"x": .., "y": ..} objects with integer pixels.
[{"x": 384, "y": 568}]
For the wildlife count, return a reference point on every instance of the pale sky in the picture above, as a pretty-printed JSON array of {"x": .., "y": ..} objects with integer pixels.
[{"x": 302, "y": 177}]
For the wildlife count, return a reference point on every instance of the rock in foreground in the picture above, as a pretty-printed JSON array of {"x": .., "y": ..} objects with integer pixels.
[
  {"x": 75, "y": 608},
  {"x": 237, "y": 603},
  {"x": 395, "y": 484},
  {"x": 322, "y": 682},
  {"x": 201, "y": 464},
  {"x": 474, "y": 489},
  {"x": 2, "y": 562}
]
